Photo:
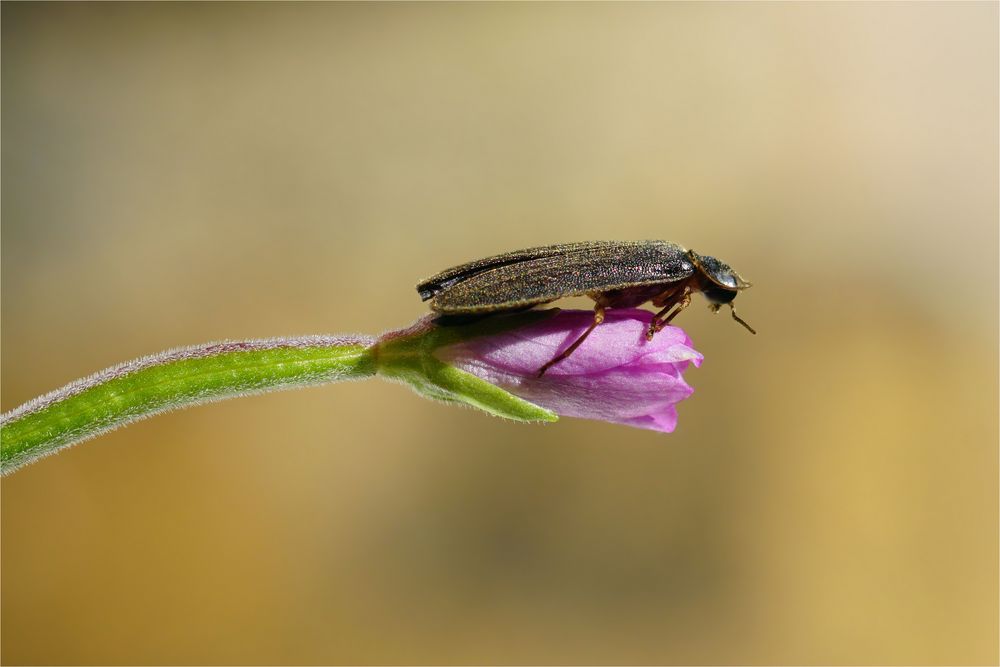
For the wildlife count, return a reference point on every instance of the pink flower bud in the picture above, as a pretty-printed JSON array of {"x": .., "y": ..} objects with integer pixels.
[{"x": 616, "y": 375}]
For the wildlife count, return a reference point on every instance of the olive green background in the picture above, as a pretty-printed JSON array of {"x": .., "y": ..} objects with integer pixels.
[{"x": 174, "y": 174}]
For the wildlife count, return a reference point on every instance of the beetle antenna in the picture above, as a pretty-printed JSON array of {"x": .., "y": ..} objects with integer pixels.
[{"x": 737, "y": 318}]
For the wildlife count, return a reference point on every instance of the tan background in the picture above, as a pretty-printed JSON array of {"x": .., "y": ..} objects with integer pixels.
[{"x": 174, "y": 174}]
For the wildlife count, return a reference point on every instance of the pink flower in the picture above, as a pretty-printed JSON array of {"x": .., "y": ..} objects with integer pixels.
[{"x": 616, "y": 375}]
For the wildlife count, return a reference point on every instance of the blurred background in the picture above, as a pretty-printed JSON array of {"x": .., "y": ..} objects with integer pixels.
[{"x": 180, "y": 173}]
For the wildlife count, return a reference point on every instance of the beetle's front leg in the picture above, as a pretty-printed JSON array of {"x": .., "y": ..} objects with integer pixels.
[{"x": 659, "y": 321}]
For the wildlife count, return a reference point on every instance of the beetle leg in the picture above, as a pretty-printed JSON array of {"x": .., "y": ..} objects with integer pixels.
[
  {"x": 598, "y": 318},
  {"x": 668, "y": 297},
  {"x": 659, "y": 321}
]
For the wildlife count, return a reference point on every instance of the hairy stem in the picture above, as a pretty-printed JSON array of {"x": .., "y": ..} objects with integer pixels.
[{"x": 175, "y": 379}]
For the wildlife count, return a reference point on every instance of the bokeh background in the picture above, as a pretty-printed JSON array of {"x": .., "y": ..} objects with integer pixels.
[{"x": 179, "y": 173}]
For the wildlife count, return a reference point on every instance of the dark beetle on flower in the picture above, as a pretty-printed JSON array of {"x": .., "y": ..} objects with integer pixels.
[{"x": 615, "y": 274}]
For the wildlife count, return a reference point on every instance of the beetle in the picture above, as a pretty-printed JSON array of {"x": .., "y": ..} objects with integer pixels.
[{"x": 615, "y": 274}]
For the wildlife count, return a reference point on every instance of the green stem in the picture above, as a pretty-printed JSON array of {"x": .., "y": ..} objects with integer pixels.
[{"x": 174, "y": 379}]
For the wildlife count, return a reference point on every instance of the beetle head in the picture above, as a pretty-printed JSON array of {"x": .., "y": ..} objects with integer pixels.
[
  {"x": 719, "y": 283},
  {"x": 719, "y": 275}
]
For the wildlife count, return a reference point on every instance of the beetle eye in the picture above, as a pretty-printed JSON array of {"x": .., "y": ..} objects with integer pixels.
[{"x": 718, "y": 295}]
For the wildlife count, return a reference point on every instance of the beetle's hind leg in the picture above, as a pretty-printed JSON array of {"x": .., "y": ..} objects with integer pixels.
[{"x": 598, "y": 318}]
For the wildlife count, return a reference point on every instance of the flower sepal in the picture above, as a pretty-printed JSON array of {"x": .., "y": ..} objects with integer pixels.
[{"x": 408, "y": 356}]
